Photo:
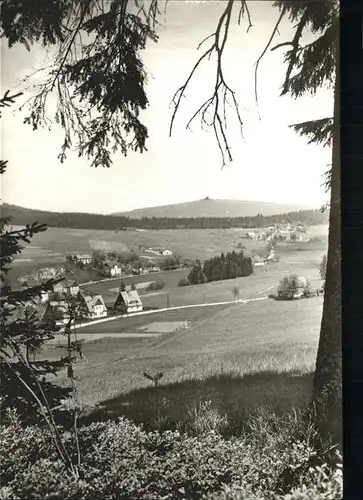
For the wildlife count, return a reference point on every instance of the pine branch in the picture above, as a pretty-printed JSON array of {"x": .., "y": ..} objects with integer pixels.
[{"x": 319, "y": 131}]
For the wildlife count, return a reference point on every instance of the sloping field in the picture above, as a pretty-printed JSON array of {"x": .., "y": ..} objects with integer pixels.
[
  {"x": 263, "y": 281},
  {"x": 240, "y": 339}
]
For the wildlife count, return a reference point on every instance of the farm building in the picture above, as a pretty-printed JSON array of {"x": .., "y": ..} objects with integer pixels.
[
  {"x": 129, "y": 300},
  {"x": 112, "y": 269}
]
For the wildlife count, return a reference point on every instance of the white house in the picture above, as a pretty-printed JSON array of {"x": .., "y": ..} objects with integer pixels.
[
  {"x": 130, "y": 300},
  {"x": 66, "y": 286},
  {"x": 112, "y": 269},
  {"x": 44, "y": 296},
  {"x": 85, "y": 258},
  {"x": 94, "y": 306},
  {"x": 167, "y": 253},
  {"x": 285, "y": 235},
  {"x": 71, "y": 287}
]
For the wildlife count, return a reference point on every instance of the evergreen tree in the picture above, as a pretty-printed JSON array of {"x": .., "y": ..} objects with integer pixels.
[
  {"x": 24, "y": 383},
  {"x": 196, "y": 275},
  {"x": 311, "y": 67}
]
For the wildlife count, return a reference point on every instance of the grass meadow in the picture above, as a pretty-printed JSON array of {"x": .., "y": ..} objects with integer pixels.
[
  {"x": 240, "y": 357},
  {"x": 51, "y": 247}
]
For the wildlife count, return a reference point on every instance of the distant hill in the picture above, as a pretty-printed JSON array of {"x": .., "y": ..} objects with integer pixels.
[
  {"x": 214, "y": 208},
  {"x": 21, "y": 216}
]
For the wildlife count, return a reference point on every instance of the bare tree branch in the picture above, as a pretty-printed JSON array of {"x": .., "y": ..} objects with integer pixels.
[
  {"x": 216, "y": 103},
  {"x": 245, "y": 10}
]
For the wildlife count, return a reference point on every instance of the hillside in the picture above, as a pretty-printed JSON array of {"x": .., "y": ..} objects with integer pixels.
[
  {"x": 214, "y": 208},
  {"x": 21, "y": 216}
]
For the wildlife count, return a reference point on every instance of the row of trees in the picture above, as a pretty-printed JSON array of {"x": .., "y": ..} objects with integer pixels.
[
  {"x": 226, "y": 266},
  {"x": 117, "y": 223}
]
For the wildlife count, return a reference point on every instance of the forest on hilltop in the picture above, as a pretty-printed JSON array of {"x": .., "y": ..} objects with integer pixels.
[{"x": 22, "y": 216}]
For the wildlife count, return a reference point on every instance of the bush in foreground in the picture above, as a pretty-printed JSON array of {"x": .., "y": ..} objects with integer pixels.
[{"x": 121, "y": 460}]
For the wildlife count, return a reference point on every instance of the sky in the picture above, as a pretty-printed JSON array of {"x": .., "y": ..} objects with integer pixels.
[{"x": 270, "y": 162}]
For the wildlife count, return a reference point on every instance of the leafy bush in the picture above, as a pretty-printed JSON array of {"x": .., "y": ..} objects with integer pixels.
[
  {"x": 293, "y": 286},
  {"x": 184, "y": 282},
  {"x": 156, "y": 285},
  {"x": 121, "y": 460},
  {"x": 288, "y": 287}
]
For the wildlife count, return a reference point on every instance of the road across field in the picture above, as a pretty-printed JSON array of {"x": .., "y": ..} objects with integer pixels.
[{"x": 144, "y": 313}]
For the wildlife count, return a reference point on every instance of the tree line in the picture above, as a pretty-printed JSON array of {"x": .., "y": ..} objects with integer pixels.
[
  {"x": 223, "y": 267},
  {"x": 23, "y": 216}
]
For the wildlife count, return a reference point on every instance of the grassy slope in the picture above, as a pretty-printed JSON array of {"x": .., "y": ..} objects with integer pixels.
[
  {"x": 241, "y": 339},
  {"x": 262, "y": 282}
]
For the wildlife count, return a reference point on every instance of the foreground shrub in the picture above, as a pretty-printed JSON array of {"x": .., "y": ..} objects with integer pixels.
[
  {"x": 293, "y": 287},
  {"x": 121, "y": 460}
]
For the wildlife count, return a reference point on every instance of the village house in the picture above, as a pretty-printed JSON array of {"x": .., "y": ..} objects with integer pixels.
[
  {"x": 88, "y": 307},
  {"x": 84, "y": 258},
  {"x": 129, "y": 301},
  {"x": 58, "y": 287},
  {"x": 92, "y": 306},
  {"x": 285, "y": 235},
  {"x": 71, "y": 287},
  {"x": 112, "y": 269},
  {"x": 66, "y": 286},
  {"x": 167, "y": 253},
  {"x": 44, "y": 296}
]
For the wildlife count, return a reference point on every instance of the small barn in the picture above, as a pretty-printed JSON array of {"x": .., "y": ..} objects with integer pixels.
[{"x": 129, "y": 301}]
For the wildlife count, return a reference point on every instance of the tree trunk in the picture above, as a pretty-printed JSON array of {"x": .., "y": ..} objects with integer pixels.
[{"x": 327, "y": 394}]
